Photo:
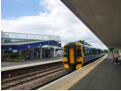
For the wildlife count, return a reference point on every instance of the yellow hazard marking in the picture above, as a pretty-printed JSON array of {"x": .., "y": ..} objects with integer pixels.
[{"x": 71, "y": 79}]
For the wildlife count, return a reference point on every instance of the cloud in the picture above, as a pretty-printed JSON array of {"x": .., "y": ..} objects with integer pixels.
[{"x": 59, "y": 21}]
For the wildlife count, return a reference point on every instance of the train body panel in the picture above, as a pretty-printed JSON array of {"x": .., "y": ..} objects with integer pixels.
[{"x": 76, "y": 54}]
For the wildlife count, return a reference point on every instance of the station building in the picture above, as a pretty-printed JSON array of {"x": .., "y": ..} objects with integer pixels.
[{"x": 31, "y": 46}]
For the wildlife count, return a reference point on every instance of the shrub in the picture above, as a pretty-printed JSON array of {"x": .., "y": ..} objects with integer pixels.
[
  {"x": 5, "y": 55},
  {"x": 20, "y": 57},
  {"x": 13, "y": 55}
]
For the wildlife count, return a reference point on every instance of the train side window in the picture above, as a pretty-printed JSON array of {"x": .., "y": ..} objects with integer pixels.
[
  {"x": 79, "y": 53},
  {"x": 86, "y": 51},
  {"x": 90, "y": 52},
  {"x": 65, "y": 52},
  {"x": 94, "y": 52}
]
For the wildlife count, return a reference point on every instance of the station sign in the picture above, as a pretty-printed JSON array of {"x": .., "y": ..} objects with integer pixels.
[{"x": 14, "y": 51}]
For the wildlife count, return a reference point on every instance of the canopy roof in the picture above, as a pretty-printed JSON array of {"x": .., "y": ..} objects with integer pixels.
[
  {"x": 24, "y": 45},
  {"x": 103, "y": 18}
]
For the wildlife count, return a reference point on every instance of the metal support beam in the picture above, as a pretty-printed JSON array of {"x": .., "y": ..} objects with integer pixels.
[
  {"x": 32, "y": 54},
  {"x": 20, "y": 52},
  {"x": 40, "y": 52}
]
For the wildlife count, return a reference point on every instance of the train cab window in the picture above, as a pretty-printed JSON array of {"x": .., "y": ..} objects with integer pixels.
[
  {"x": 79, "y": 53},
  {"x": 65, "y": 52}
]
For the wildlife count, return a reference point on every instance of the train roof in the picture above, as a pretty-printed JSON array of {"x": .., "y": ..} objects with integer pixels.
[{"x": 82, "y": 44}]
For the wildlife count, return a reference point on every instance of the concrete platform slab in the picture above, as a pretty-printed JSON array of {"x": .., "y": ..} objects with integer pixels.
[
  {"x": 6, "y": 64},
  {"x": 69, "y": 80},
  {"x": 106, "y": 76},
  {"x": 16, "y": 65}
]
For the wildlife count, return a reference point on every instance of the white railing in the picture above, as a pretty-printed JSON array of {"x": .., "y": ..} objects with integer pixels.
[{"x": 22, "y": 36}]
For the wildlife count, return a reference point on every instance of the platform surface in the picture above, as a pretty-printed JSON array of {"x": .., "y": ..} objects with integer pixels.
[
  {"x": 16, "y": 65},
  {"x": 106, "y": 76},
  {"x": 71, "y": 79}
]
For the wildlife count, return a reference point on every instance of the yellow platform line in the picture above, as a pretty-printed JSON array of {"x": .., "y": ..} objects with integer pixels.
[
  {"x": 27, "y": 65},
  {"x": 71, "y": 79}
]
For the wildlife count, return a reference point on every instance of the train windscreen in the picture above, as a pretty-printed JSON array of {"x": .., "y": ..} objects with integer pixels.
[
  {"x": 79, "y": 53},
  {"x": 65, "y": 52}
]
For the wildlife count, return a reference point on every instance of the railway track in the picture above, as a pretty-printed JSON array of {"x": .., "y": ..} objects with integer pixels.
[
  {"x": 8, "y": 74},
  {"x": 34, "y": 79}
]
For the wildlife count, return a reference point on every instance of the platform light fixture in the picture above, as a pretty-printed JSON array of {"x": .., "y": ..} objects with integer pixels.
[
  {"x": 10, "y": 48},
  {"x": 29, "y": 46}
]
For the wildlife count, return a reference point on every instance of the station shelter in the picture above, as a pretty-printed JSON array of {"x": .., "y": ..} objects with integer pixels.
[{"x": 33, "y": 50}]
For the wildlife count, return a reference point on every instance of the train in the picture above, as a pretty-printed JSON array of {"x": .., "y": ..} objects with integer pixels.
[{"x": 75, "y": 55}]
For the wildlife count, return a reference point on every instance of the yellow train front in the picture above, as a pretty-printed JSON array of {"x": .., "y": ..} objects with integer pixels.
[
  {"x": 76, "y": 54},
  {"x": 73, "y": 56}
]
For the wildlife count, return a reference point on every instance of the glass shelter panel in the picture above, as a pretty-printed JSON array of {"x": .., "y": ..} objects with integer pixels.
[{"x": 10, "y": 36}]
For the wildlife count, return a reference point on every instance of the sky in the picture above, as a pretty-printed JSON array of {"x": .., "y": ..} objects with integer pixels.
[{"x": 46, "y": 17}]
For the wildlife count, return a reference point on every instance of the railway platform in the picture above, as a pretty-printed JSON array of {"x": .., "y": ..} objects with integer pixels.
[
  {"x": 102, "y": 74},
  {"x": 106, "y": 76},
  {"x": 16, "y": 65}
]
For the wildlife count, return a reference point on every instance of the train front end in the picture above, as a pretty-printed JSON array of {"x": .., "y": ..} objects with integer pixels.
[{"x": 72, "y": 56}]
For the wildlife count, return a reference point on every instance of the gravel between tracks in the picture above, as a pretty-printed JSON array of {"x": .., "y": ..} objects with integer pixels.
[{"x": 34, "y": 80}]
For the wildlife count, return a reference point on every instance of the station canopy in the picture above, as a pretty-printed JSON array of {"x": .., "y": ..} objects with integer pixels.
[
  {"x": 102, "y": 17},
  {"x": 26, "y": 45}
]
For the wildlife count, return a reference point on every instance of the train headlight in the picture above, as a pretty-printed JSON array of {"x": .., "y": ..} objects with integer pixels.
[
  {"x": 78, "y": 59},
  {"x": 65, "y": 59}
]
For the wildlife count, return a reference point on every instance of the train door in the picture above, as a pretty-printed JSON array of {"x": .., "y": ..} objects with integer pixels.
[
  {"x": 79, "y": 57},
  {"x": 71, "y": 55},
  {"x": 85, "y": 51}
]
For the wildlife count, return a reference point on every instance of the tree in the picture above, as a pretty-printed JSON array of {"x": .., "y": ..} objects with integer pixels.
[
  {"x": 84, "y": 42},
  {"x": 111, "y": 49},
  {"x": 81, "y": 41},
  {"x": 114, "y": 50},
  {"x": 105, "y": 51}
]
